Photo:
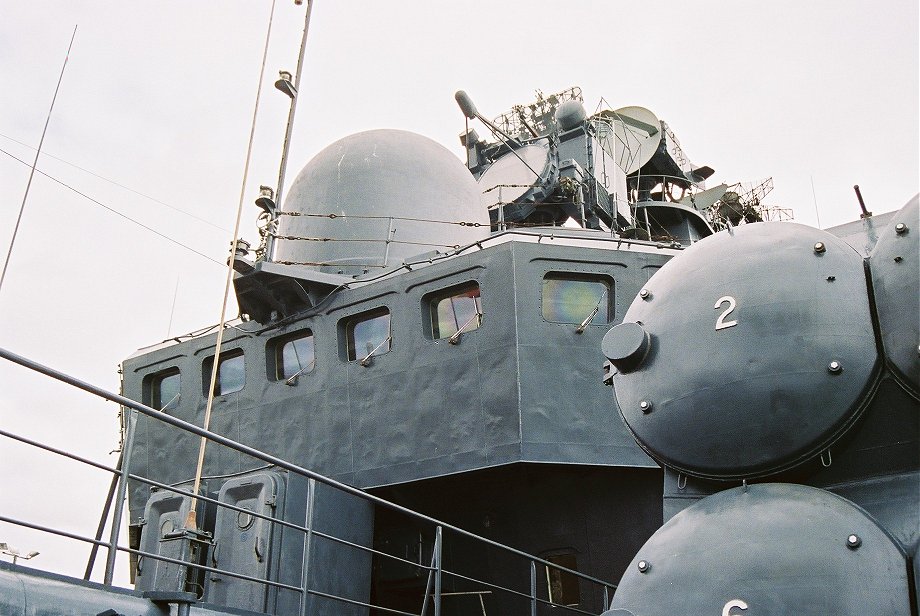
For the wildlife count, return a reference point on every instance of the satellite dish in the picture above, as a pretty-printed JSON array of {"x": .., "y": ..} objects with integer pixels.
[
  {"x": 645, "y": 126},
  {"x": 639, "y": 133},
  {"x": 527, "y": 174}
]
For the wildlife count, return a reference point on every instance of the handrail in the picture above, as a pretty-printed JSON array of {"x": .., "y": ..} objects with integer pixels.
[
  {"x": 251, "y": 451},
  {"x": 436, "y": 568},
  {"x": 255, "y": 514},
  {"x": 151, "y": 555},
  {"x": 204, "y": 498},
  {"x": 159, "y": 557}
]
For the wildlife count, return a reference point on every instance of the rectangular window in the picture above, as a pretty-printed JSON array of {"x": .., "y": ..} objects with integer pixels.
[
  {"x": 368, "y": 335},
  {"x": 562, "y": 585},
  {"x": 231, "y": 373},
  {"x": 294, "y": 355},
  {"x": 164, "y": 390},
  {"x": 573, "y": 298},
  {"x": 456, "y": 310}
]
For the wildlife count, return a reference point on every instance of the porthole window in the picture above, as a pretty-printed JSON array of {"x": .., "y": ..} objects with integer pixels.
[
  {"x": 244, "y": 520},
  {"x": 368, "y": 335},
  {"x": 294, "y": 355},
  {"x": 231, "y": 373},
  {"x": 574, "y": 298},
  {"x": 455, "y": 310},
  {"x": 164, "y": 390}
]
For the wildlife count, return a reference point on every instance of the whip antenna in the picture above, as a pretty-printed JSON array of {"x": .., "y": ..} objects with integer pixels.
[
  {"x": 191, "y": 521},
  {"x": 38, "y": 152}
]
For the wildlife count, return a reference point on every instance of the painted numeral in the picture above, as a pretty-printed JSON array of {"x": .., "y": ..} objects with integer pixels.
[
  {"x": 738, "y": 603},
  {"x": 721, "y": 323}
]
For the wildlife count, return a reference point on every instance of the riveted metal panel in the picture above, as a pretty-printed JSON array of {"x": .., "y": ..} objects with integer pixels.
[
  {"x": 762, "y": 352},
  {"x": 767, "y": 549},
  {"x": 895, "y": 265}
]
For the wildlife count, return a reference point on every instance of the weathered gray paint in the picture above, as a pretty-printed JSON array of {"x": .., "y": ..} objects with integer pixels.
[
  {"x": 379, "y": 174},
  {"x": 516, "y": 389},
  {"x": 895, "y": 265},
  {"x": 30, "y": 592},
  {"x": 862, "y": 234},
  {"x": 744, "y": 328},
  {"x": 874, "y": 464},
  {"x": 779, "y": 548}
]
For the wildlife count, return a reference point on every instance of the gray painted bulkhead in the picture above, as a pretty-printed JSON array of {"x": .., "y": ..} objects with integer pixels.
[
  {"x": 516, "y": 389},
  {"x": 600, "y": 516},
  {"x": 32, "y": 592}
]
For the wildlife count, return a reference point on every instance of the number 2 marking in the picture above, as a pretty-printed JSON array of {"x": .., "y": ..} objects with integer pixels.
[{"x": 721, "y": 323}]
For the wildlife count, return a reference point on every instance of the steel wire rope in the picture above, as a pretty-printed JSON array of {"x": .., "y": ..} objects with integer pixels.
[
  {"x": 352, "y": 239},
  {"x": 454, "y": 249},
  {"x": 461, "y": 223},
  {"x": 191, "y": 521},
  {"x": 522, "y": 225},
  {"x": 334, "y": 216},
  {"x": 392, "y": 270},
  {"x": 331, "y": 264},
  {"x": 113, "y": 210},
  {"x": 118, "y": 184}
]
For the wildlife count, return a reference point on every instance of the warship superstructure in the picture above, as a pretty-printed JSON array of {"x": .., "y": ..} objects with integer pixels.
[
  {"x": 409, "y": 338},
  {"x": 564, "y": 376}
]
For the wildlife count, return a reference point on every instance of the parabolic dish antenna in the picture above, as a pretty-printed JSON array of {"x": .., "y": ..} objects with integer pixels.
[
  {"x": 511, "y": 179},
  {"x": 638, "y": 133}
]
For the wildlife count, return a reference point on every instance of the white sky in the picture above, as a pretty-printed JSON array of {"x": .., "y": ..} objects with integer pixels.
[{"x": 158, "y": 96}]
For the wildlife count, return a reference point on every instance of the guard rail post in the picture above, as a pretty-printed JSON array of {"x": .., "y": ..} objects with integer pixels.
[
  {"x": 307, "y": 544},
  {"x": 533, "y": 588},
  {"x": 120, "y": 498},
  {"x": 438, "y": 538}
]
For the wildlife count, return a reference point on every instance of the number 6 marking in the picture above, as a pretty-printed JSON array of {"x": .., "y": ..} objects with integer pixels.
[
  {"x": 721, "y": 323},
  {"x": 738, "y": 603}
]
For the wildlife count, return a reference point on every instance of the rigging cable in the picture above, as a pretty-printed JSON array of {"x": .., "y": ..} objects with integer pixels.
[
  {"x": 334, "y": 216},
  {"x": 191, "y": 521},
  {"x": 38, "y": 152},
  {"x": 113, "y": 210},
  {"x": 114, "y": 183}
]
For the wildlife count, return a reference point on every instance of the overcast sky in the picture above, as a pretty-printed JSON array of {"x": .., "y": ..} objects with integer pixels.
[{"x": 157, "y": 97}]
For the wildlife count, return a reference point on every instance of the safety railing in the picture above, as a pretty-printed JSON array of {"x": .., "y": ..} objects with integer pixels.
[{"x": 526, "y": 595}]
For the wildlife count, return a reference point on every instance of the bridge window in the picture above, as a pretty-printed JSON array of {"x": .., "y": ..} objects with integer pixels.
[
  {"x": 231, "y": 373},
  {"x": 164, "y": 390},
  {"x": 455, "y": 310},
  {"x": 572, "y": 298},
  {"x": 368, "y": 335},
  {"x": 293, "y": 355}
]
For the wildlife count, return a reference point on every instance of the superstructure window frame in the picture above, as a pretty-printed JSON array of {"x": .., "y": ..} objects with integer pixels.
[
  {"x": 569, "y": 310},
  {"x": 278, "y": 369},
  {"x": 368, "y": 345},
  {"x": 444, "y": 321},
  {"x": 228, "y": 360},
  {"x": 154, "y": 395}
]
